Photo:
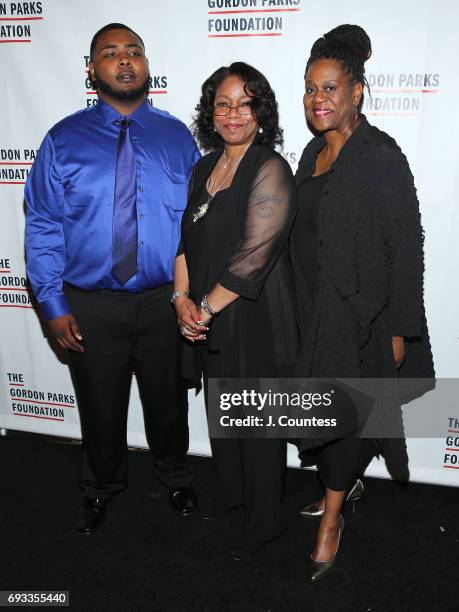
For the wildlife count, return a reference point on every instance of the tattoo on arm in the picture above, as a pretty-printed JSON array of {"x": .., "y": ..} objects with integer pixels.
[{"x": 266, "y": 204}]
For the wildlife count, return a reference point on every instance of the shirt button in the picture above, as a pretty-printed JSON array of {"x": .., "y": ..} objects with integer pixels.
[
  {"x": 140, "y": 188},
  {"x": 141, "y": 217},
  {"x": 141, "y": 243},
  {"x": 319, "y": 267},
  {"x": 321, "y": 243},
  {"x": 139, "y": 163},
  {"x": 326, "y": 192},
  {"x": 139, "y": 269}
]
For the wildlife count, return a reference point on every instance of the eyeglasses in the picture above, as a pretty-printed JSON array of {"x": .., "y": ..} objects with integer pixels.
[{"x": 222, "y": 109}]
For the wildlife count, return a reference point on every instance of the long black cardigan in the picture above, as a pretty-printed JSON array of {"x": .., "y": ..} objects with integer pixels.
[{"x": 369, "y": 274}]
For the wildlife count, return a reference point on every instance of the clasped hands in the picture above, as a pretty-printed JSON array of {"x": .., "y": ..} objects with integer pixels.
[{"x": 193, "y": 322}]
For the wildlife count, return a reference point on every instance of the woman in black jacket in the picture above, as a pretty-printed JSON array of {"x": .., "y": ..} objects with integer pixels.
[
  {"x": 357, "y": 251},
  {"x": 231, "y": 275}
]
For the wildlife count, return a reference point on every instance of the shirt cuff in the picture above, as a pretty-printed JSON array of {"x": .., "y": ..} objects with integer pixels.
[{"x": 54, "y": 307}]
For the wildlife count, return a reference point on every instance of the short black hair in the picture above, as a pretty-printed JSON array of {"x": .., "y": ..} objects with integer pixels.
[
  {"x": 348, "y": 44},
  {"x": 110, "y": 26},
  {"x": 264, "y": 106}
]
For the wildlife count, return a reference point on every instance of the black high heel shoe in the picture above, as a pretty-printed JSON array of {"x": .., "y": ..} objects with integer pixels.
[
  {"x": 314, "y": 510},
  {"x": 319, "y": 569}
]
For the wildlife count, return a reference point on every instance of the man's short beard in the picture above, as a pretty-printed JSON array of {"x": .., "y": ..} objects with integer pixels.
[{"x": 130, "y": 94}]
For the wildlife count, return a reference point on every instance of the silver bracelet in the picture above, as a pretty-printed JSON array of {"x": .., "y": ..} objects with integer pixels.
[
  {"x": 177, "y": 294},
  {"x": 205, "y": 306}
]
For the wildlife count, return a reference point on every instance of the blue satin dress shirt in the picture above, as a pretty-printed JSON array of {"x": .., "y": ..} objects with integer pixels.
[{"x": 70, "y": 195}]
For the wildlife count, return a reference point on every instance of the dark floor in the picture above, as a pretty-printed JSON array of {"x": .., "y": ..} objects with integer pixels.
[{"x": 399, "y": 550}]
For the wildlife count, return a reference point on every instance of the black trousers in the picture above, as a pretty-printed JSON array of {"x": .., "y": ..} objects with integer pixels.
[
  {"x": 126, "y": 334},
  {"x": 341, "y": 462},
  {"x": 248, "y": 472}
]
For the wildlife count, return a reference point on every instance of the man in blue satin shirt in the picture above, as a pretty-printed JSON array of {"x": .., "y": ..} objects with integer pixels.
[{"x": 105, "y": 198}]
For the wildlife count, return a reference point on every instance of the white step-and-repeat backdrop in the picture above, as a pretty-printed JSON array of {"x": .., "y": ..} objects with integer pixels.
[{"x": 44, "y": 48}]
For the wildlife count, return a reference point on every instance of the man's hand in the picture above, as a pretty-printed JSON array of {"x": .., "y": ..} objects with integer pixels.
[
  {"x": 65, "y": 330},
  {"x": 398, "y": 349}
]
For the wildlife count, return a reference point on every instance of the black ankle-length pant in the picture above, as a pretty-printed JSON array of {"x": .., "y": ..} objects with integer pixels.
[
  {"x": 341, "y": 462},
  {"x": 126, "y": 334}
]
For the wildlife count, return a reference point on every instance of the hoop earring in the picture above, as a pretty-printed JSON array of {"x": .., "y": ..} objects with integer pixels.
[{"x": 215, "y": 129}]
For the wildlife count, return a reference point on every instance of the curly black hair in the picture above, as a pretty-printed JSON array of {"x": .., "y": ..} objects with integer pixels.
[
  {"x": 348, "y": 44},
  {"x": 264, "y": 106}
]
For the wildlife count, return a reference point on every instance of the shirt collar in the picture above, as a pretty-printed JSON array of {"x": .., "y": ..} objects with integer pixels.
[{"x": 108, "y": 114}]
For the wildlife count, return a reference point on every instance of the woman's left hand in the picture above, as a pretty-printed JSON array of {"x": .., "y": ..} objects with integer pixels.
[{"x": 398, "y": 349}]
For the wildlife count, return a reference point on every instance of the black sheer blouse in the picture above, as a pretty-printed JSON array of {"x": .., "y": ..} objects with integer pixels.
[
  {"x": 216, "y": 248},
  {"x": 241, "y": 244}
]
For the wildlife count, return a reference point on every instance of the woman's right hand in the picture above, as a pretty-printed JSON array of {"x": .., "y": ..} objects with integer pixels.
[{"x": 187, "y": 317}]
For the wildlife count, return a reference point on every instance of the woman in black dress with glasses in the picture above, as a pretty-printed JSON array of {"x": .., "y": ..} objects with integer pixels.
[{"x": 231, "y": 274}]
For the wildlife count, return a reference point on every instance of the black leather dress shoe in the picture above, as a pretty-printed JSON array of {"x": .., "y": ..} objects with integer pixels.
[
  {"x": 91, "y": 514},
  {"x": 183, "y": 499}
]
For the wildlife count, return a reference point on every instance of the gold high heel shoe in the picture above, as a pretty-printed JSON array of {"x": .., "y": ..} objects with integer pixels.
[
  {"x": 319, "y": 569},
  {"x": 315, "y": 511}
]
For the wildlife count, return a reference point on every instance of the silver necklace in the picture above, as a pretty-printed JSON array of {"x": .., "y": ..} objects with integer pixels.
[{"x": 202, "y": 210}]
